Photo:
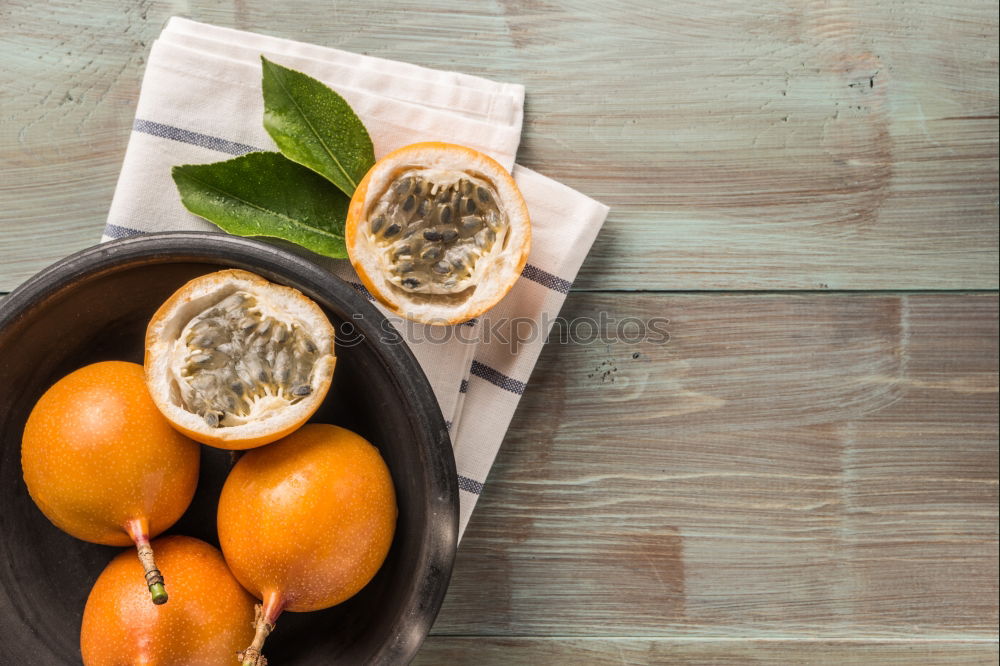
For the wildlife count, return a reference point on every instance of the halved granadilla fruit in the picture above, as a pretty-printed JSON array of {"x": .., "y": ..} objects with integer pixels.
[
  {"x": 437, "y": 232},
  {"x": 235, "y": 361}
]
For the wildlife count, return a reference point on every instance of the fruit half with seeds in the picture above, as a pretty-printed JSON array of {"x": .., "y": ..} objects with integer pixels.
[
  {"x": 235, "y": 361},
  {"x": 438, "y": 233}
]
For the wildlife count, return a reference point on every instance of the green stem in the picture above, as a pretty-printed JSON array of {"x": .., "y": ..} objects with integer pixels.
[
  {"x": 139, "y": 532},
  {"x": 159, "y": 593}
]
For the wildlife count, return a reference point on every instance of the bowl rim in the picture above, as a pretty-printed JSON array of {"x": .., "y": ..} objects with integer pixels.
[{"x": 439, "y": 544}]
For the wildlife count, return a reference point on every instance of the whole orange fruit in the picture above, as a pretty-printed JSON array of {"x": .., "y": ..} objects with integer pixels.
[
  {"x": 306, "y": 522},
  {"x": 208, "y": 620},
  {"x": 103, "y": 464}
]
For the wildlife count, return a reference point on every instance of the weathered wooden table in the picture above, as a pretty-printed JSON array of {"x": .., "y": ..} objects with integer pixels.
[{"x": 806, "y": 471}]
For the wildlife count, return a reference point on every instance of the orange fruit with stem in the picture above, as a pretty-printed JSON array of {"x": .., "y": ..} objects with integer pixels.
[
  {"x": 103, "y": 464},
  {"x": 208, "y": 620},
  {"x": 306, "y": 522}
]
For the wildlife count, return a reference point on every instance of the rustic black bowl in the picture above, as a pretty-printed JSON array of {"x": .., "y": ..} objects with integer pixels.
[{"x": 94, "y": 306}]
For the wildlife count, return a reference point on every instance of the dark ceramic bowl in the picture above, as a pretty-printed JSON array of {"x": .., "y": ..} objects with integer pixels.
[{"x": 94, "y": 306}]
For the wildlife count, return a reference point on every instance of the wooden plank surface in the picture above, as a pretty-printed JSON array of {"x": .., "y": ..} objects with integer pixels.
[
  {"x": 479, "y": 651},
  {"x": 820, "y": 144},
  {"x": 785, "y": 466},
  {"x": 788, "y": 478},
  {"x": 779, "y": 479}
]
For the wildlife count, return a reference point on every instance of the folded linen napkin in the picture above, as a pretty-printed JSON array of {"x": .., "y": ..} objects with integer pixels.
[{"x": 201, "y": 102}]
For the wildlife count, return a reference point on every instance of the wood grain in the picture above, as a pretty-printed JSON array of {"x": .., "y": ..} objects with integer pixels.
[
  {"x": 815, "y": 466},
  {"x": 789, "y": 478},
  {"x": 784, "y": 478},
  {"x": 821, "y": 144},
  {"x": 479, "y": 651}
]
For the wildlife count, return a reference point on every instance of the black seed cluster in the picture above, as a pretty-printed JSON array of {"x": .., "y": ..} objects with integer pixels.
[
  {"x": 434, "y": 234},
  {"x": 237, "y": 355}
]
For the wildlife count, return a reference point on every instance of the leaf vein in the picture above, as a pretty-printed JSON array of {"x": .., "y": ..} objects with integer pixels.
[
  {"x": 302, "y": 114},
  {"x": 291, "y": 220}
]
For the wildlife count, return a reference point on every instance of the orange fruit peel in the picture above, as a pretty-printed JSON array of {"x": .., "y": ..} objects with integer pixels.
[
  {"x": 103, "y": 464},
  {"x": 207, "y": 620},
  {"x": 304, "y": 524}
]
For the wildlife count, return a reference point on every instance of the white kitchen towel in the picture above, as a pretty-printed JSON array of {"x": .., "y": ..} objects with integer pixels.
[{"x": 201, "y": 102}]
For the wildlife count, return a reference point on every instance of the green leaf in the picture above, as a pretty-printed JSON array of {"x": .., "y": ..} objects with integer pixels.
[
  {"x": 264, "y": 194},
  {"x": 315, "y": 127}
]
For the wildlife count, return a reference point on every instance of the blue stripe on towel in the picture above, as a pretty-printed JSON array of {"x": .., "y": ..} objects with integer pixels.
[
  {"x": 469, "y": 485},
  {"x": 530, "y": 272},
  {"x": 546, "y": 279},
  {"x": 497, "y": 378},
  {"x": 364, "y": 290},
  {"x": 194, "y": 138},
  {"x": 116, "y": 232}
]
